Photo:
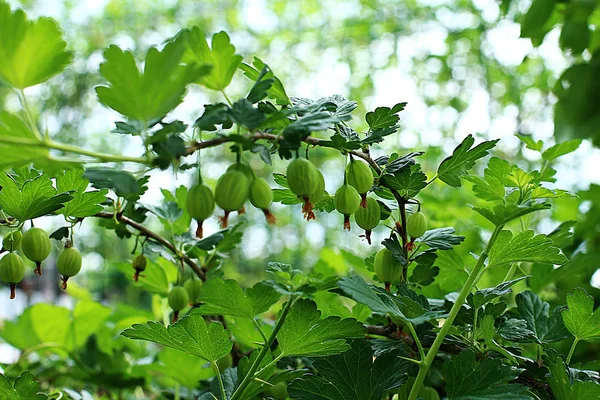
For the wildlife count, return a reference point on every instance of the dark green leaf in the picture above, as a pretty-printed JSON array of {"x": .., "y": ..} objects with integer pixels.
[
  {"x": 547, "y": 326},
  {"x": 441, "y": 238},
  {"x": 353, "y": 375},
  {"x": 483, "y": 296}
]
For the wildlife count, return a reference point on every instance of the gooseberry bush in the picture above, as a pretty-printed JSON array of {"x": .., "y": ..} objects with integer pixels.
[{"x": 391, "y": 336}]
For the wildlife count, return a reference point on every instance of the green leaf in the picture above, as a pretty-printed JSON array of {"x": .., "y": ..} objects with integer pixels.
[
  {"x": 530, "y": 143},
  {"x": 516, "y": 330},
  {"x": 384, "y": 117},
  {"x": 304, "y": 333},
  {"x": 245, "y": 114},
  {"x": 14, "y": 155},
  {"x": 69, "y": 328},
  {"x": 468, "y": 379},
  {"x": 483, "y": 296},
  {"x": 190, "y": 334},
  {"x": 424, "y": 273},
  {"x": 36, "y": 198},
  {"x": 153, "y": 279},
  {"x": 565, "y": 388},
  {"x": 525, "y": 247},
  {"x": 441, "y": 238},
  {"x": 26, "y": 387},
  {"x": 534, "y": 22},
  {"x": 408, "y": 181},
  {"x": 276, "y": 90},
  {"x": 575, "y": 35},
  {"x": 560, "y": 149},
  {"x": 84, "y": 204},
  {"x": 409, "y": 307},
  {"x": 220, "y": 57},
  {"x": 219, "y": 297},
  {"x": 547, "y": 326},
  {"x": 31, "y": 52},
  {"x": 580, "y": 318},
  {"x": 503, "y": 214},
  {"x": 145, "y": 96},
  {"x": 463, "y": 159},
  {"x": 353, "y": 375},
  {"x": 121, "y": 181}
]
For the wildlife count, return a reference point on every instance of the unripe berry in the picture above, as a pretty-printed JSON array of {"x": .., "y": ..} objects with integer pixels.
[
  {"x": 178, "y": 300},
  {"x": 243, "y": 168},
  {"x": 200, "y": 204},
  {"x": 387, "y": 268},
  {"x": 231, "y": 192},
  {"x": 279, "y": 391},
  {"x": 12, "y": 271},
  {"x": 36, "y": 246},
  {"x": 139, "y": 265},
  {"x": 317, "y": 195},
  {"x": 261, "y": 197},
  {"x": 12, "y": 241},
  {"x": 347, "y": 201},
  {"x": 68, "y": 264},
  {"x": 193, "y": 287},
  {"x": 416, "y": 225},
  {"x": 303, "y": 180},
  {"x": 359, "y": 176},
  {"x": 368, "y": 218}
]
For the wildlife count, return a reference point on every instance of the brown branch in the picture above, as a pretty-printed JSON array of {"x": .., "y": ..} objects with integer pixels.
[
  {"x": 199, "y": 271},
  {"x": 273, "y": 138}
]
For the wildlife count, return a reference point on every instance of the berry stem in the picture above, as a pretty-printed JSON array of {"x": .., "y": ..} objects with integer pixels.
[
  {"x": 63, "y": 285},
  {"x": 363, "y": 201},
  {"x": 224, "y": 220},
  {"x": 271, "y": 220},
  {"x": 347, "y": 222},
  {"x": 13, "y": 287},
  {"x": 199, "y": 229},
  {"x": 307, "y": 209},
  {"x": 368, "y": 235},
  {"x": 38, "y": 268}
]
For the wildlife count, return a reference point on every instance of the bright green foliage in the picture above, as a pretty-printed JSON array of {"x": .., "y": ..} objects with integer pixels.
[
  {"x": 468, "y": 379},
  {"x": 220, "y": 57},
  {"x": 191, "y": 334},
  {"x": 145, "y": 96},
  {"x": 581, "y": 319},
  {"x": 232, "y": 191},
  {"x": 31, "y": 52},
  {"x": 503, "y": 214},
  {"x": 386, "y": 267},
  {"x": 12, "y": 241},
  {"x": 84, "y": 203},
  {"x": 305, "y": 334},
  {"x": 25, "y": 387},
  {"x": 14, "y": 130},
  {"x": 463, "y": 159},
  {"x": 525, "y": 247},
  {"x": 248, "y": 304},
  {"x": 276, "y": 89},
  {"x": 353, "y": 375},
  {"x": 32, "y": 199},
  {"x": 178, "y": 298}
]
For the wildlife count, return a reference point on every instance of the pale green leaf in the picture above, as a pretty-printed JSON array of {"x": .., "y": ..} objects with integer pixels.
[
  {"x": 525, "y": 247},
  {"x": 190, "y": 334},
  {"x": 220, "y": 57},
  {"x": 15, "y": 153},
  {"x": 226, "y": 297},
  {"x": 502, "y": 214},
  {"x": 580, "y": 318},
  {"x": 560, "y": 149},
  {"x": 84, "y": 204},
  {"x": 31, "y": 52}
]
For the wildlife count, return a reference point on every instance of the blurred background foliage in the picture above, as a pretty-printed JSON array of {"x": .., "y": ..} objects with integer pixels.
[{"x": 493, "y": 69}]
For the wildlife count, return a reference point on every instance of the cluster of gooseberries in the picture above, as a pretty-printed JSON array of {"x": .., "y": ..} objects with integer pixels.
[
  {"x": 35, "y": 245},
  {"x": 234, "y": 187}
]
